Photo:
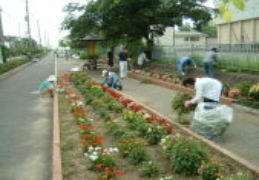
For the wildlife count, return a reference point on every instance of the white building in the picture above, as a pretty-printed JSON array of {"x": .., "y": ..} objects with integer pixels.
[{"x": 179, "y": 38}]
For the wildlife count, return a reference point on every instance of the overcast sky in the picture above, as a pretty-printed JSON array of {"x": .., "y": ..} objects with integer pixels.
[{"x": 47, "y": 12}]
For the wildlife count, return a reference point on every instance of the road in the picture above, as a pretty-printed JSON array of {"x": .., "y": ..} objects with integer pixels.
[{"x": 26, "y": 124}]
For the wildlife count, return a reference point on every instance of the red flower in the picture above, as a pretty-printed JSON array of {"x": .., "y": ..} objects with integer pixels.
[
  {"x": 99, "y": 165},
  {"x": 106, "y": 169},
  {"x": 83, "y": 142},
  {"x": 119, "y": 173},
  {"x": 85, "y": 127},
  {"x": 86, "y": 136}
]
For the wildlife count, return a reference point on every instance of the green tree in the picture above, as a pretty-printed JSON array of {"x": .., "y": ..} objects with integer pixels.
[
  {"x": 186, "y": 27},
  {"x": 133, "y": 19},
  {"x": 209, "y": 29},
  {"x": 226, "y": 12}
]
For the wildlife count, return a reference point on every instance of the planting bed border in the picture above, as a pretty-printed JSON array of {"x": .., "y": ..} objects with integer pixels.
[
  {"x": 56, "y": 149},
  {"x": 211, "y": 144},
  {"x": 173, "y": 86}
]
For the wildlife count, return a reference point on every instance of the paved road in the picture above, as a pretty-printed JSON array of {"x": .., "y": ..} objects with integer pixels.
[
  {"x": 241, "y": 137},
  {"x": 26, "y": 124}
]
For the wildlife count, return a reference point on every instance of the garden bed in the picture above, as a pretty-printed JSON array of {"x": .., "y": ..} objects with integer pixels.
[{"x": 132, "y": 142}]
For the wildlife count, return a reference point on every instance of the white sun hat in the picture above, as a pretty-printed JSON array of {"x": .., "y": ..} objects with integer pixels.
[
  {"x": 52, "y": 78},
  {"x": 104, "y": 72}
]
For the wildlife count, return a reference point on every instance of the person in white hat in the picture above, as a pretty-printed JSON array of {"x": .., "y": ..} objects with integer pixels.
[{"x": 47, "y": 86}]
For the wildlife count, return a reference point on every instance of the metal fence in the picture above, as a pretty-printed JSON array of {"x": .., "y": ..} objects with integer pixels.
[{"x": 231, "y": 56}]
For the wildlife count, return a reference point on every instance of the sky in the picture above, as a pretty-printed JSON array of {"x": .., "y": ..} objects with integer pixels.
[{"x": 47, "y": 12}]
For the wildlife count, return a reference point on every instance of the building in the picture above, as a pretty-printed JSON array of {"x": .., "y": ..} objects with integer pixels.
[
  {"x": 179, "y": 38},
  {"x": 244, "y": 26}
]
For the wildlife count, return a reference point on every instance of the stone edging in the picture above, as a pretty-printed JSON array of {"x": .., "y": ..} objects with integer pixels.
[
  {"x": 15, "y": 70},
  {"x": 246, "y": 109},
  {"x": 56, "y": 152},
  {"x": 173, "y": 86},
  {"x": 211, "y": 144}
]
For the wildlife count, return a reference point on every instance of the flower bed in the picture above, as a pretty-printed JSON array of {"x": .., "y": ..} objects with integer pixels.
[
  {"x": 144, "y": 143},
  {"x": 244, "y": 93}
]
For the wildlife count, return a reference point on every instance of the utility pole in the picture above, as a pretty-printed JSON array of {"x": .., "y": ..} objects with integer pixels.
[
  {"x": 39, "y": 36},
  {"x": 27, "y": 19},
  {"x": 2, "y": 52}
]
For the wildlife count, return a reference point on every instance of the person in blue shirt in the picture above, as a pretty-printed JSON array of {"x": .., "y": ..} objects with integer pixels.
[
  {"x": 112, "y": 80},
  {"x": 182, "y": 62},
  {"x": 47, "y": 86}
]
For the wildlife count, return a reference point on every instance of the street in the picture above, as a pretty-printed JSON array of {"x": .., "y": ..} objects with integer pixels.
[{"x": 26, "y": 124}]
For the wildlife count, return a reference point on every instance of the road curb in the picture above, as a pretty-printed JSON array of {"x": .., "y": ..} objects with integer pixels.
[
  {"x": 173, "y": 86},
  {"x": 56, "y": 152},
  {"x": 15, "y": 70},
  {"x": 244, "y": 163}
]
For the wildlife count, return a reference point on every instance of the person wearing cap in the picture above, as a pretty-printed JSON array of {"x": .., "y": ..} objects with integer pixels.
[
  {"x": 182, "y": 62},
  {"x": 209, "y": 62},
  {"x": 111, "y": 79},
  {"x": 47, "y": 86}
]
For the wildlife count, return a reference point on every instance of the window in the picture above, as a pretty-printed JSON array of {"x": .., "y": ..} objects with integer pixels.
[
  {"x": 186, "y": 38},
  {"x": 194, "y": 38}
]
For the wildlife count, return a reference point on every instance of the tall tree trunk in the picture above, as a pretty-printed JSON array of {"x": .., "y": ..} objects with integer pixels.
[{"x": 150, "y": 44}]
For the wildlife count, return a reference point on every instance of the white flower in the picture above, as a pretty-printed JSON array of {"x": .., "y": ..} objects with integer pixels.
[
  {"x": 149, "y": 130},
  {"x": 97, "y": 148},
  {"x": 116, "y": 149},
  {"x": 91, "y": 148},
  {"x": 86, "y": 154},
  {"x": 93, "y": 157},
  {"x": 90, "y": 119}
]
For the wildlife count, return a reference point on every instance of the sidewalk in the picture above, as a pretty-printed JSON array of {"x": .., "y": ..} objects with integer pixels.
[{"x": 241, "y": 137}]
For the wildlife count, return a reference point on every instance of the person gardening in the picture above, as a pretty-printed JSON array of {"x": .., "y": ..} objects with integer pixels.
[
  {"x": 210, "y": 117},
  {"x": 182, "y": 62},
  {"x": 47, "y": 86},
  {"x": 112, "y": 80},
  {"x": 209, "y": 62}
]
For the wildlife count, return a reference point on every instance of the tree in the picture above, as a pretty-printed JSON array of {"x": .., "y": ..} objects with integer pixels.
[
  {"x": 224, "y": 10},
  {"x": 134, "y": 19},
  {"x": 209, "y": 29},
  {"x": 186, "y": 27}
]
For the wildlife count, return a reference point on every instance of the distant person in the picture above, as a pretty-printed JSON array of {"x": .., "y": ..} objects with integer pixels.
[
  {"x": 47, "y": 86},
  {"x": 210, "y": 117},
  {"x": 142, "y": 59},
  {"x": 182, "y": 62},
  {"x": 209, "y": 62},
  {"x": 112, "y": 80},
  {"x": 110, "y": 57},
  {"x": 123, "y": 57}
]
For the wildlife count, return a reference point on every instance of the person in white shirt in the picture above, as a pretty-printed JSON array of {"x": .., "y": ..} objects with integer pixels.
[
  {"x": 206, "y": 90},
  {"x": 142, "y": 59},
  {"x": 211, "y": 118}
]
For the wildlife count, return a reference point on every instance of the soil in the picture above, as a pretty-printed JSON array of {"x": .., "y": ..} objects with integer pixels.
[{"x": 231, "y": 78}]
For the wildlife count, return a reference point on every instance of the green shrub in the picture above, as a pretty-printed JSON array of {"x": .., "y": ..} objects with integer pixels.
[
  {"x": 149, "y": 170},
  {"x": 244, "y": 88},
  {"x": 155, "y": 133},
  {"x": 134, "y": 150},
  {"x": 177, "y": 105},
  {"x": 187, "y": 156},
  {"x": 12, "y": 64},
  {"x": 254, "y": 91},
  {"x": 209, "y": 171}
]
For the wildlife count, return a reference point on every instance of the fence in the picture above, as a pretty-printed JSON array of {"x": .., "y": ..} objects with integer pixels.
[{"x": 231, "y": 56}]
